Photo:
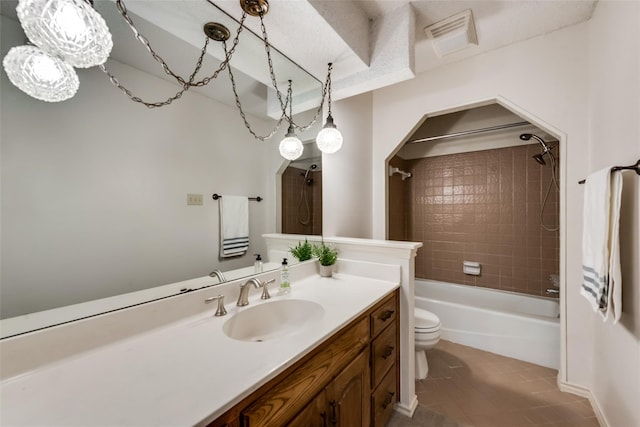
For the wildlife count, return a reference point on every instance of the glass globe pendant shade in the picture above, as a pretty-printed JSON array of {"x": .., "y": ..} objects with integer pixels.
[
  {"x": 40, "y": 75},
  {"x": 329, "y": 139},
  {"x": 69, "y": 29},
  {"x": 291, "y": 147}
]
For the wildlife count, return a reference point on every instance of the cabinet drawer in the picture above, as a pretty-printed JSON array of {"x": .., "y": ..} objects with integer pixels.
[
  {"x": 383, "y": 399},
  {"x": 383, "y": 316},
  {"x": 384, "y": 352}
]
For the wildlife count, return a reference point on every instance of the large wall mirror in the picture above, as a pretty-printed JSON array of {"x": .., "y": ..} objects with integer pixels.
[{"x": 94, "y": 189}]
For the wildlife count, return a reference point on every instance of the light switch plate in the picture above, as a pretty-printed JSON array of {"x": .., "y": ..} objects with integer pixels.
[{"x": 194, "y": 199}]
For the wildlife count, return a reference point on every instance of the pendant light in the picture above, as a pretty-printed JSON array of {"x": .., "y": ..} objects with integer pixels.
[
  {"x": 290, "y": 147},
  {"x": 40, "y": 75},
  {"x": 329, "y": 139},
  {"x": 68, "y": 29}
]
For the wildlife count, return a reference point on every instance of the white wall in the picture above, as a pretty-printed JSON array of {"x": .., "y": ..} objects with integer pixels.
[
  {"x": 346, "y": 185},
  {"x": 614, "y": 139},
  {"x": 94, "y": 188}
]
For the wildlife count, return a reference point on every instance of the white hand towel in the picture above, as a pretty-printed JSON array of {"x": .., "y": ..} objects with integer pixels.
[
  {"x": 600, "y": 245},
  {"x": 234, "y": 226}
]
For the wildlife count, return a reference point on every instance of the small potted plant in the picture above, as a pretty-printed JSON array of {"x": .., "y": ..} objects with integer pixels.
[
  {"x": 327, "y": 256},
  {"x": 302, "y": 251}
]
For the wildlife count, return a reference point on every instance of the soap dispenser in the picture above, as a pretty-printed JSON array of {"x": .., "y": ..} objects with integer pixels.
[
  {"x": 258, "y": 264},
  {"x": 285, "y": 285}
]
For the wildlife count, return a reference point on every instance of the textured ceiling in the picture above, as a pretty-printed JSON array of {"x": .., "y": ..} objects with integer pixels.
[{"x": 373, "y": 43}]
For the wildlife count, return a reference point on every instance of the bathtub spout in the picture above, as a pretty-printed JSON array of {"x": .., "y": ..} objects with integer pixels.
[{"x": 552, "y": 291}]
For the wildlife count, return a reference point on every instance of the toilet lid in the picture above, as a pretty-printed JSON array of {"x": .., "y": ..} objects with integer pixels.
[{"x": 425, "y": 320}]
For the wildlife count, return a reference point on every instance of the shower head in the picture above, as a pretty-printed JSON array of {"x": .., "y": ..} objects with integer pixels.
[
  {"x": 539, "y": 158},
  {"x": 306, "y": 173},
  {"x": 545, "y": 148}
]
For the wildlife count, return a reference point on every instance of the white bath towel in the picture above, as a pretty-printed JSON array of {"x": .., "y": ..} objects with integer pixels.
[
  {"x": 601, "y": 284},
  {"x": 234, "y": 226}
]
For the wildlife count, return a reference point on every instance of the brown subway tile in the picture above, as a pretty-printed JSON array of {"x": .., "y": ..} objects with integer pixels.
[{"x": 487, "y": 203}]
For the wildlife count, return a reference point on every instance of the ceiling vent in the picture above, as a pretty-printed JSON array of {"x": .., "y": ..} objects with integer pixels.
[{"x": 453, "y": 34}]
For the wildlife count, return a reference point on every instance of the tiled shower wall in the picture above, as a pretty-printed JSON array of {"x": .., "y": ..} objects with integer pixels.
[
  {"x": 292, "y": 181},
  {"x": 481, "y": 206}
]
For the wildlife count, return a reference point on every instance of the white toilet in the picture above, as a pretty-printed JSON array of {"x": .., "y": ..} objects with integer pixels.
[{"x": 427, "y": 334}]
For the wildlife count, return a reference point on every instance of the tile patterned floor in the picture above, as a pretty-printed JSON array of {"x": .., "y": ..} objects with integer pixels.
[{"x": 481, "y": 389}]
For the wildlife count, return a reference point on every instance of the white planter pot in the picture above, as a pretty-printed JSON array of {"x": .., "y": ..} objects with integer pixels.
[{"x": 326, "y": 270}]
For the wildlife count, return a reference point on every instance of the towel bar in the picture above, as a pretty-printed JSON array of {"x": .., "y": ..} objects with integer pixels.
[
  {"x": 217, "y": 196},
  {"x": 635, "y": 167}
]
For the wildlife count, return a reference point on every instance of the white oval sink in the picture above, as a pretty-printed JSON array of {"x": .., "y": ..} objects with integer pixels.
[{"x": 272, "y": 320}]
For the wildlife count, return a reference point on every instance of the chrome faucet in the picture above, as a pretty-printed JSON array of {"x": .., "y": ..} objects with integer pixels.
[
  {"x": 217, "y": 273},
  {"x": 243, "y": 298}
]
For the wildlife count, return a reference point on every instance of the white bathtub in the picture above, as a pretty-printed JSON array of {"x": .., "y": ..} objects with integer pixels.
[{"x": 520, "y": 326}]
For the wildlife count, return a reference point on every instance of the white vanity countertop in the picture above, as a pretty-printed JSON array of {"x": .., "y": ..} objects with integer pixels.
[{"x": 186, "y": 373}]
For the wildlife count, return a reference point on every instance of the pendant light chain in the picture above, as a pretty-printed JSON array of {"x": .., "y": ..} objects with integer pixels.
[
  {"x": 145, "y": 42},
  {"x": 185, "y": 84},
  {"x": 289, "y": 95},
  {"x": 244, "y": 117},
  {"x": 328, "y": 90},
  {"x": 325, "y": 90},
  {"x": 267, "y": 48},
  {"x": 178, "y": 95}
]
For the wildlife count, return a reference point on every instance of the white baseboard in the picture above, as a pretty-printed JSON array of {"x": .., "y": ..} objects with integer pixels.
[
  {"x": 584, "y": 392},
  {"x": 405, "y": 410}
]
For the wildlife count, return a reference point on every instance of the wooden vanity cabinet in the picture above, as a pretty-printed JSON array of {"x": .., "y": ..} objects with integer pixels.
[
  {"x": 350, "y": 380},
  {"x": 344, "y": 402},
  {"x": 315, "y": 414}
]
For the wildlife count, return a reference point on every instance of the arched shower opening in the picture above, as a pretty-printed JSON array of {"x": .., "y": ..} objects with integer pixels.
[{"x": 474, "y": 190}]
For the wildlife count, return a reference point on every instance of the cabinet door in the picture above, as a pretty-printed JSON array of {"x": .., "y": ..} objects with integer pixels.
[
  {"x": 348, "y": 395},
  {"x": 313, "y": 415}
]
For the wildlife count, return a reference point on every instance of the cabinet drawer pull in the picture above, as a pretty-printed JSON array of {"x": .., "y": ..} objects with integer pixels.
[
  {"x": 388, "y": 400},
  {"x": 324, "y": 419},
  {"x": 387, "y": 352},
  {"x": 386, "y": 315}
]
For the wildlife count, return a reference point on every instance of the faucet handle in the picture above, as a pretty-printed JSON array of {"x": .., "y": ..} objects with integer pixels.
[
  {"x": 265, "y": 289},
  {"x": 220, "y": 311}
]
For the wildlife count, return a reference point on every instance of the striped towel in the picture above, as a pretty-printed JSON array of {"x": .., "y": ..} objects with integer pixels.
[
  {"x": 234, "y": 226},
  {"x": 602, "y": 285}
]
